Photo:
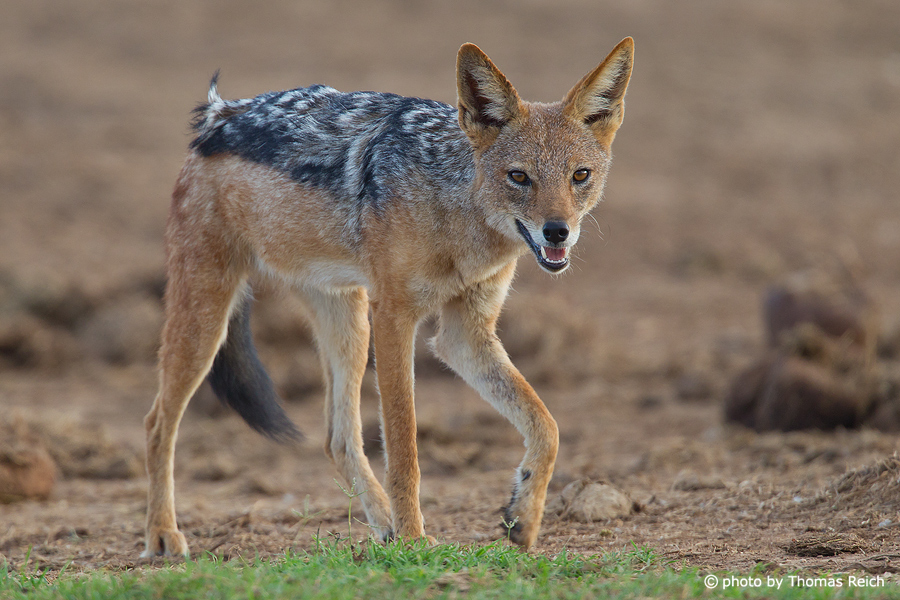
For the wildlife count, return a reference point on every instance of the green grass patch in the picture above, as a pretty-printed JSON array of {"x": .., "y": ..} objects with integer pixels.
[{"x": 337, "y": 569}]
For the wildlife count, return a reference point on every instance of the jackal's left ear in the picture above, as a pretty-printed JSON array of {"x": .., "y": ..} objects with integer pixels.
[
  {"x": 487, "y": 100},
  {"x": 599, "y": 98}
]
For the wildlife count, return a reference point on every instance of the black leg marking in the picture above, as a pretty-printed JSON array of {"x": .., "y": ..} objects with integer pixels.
[{"x": 510, "y": 525}]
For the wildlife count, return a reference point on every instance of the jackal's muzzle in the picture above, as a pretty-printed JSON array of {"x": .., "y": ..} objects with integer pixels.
[{"x": 552, "y": 259}]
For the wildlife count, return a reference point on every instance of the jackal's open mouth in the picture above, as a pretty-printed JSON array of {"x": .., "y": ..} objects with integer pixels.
[{"x": 553, "y": 260}]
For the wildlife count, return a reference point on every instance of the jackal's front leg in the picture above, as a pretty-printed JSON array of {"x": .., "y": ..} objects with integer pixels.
[
  {"x": 467, "y": 341},
  {"x": 394, "y": 329}
]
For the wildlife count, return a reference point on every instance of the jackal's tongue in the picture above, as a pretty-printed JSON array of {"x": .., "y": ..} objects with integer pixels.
[{"x": 555, "y": 254}]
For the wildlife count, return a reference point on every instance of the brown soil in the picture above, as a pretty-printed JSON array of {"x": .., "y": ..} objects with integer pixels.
[{"x": 762, "y": 138}]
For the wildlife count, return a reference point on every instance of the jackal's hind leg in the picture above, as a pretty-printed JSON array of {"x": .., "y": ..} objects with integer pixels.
[
  {"x": 197, "y": 309},
  {"x": 341, "y": 323}
]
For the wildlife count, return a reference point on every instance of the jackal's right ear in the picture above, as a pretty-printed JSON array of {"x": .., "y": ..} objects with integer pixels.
[
  {"x": 487, "y": 100},
  {"x": 598, "y": 100}
]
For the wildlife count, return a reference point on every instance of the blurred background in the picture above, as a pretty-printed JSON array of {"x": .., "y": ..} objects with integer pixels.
[
  {"x": 761, "y": 138},
  {"x": 761, "y": 141}
]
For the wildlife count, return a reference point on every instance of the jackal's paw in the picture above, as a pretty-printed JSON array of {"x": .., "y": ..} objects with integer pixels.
[
  {"x": 518, "y": 530},
  {"x": 165, "y": 543}
]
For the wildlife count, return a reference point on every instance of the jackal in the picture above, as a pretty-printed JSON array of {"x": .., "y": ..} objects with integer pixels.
[{"x": 375, "y": 202}]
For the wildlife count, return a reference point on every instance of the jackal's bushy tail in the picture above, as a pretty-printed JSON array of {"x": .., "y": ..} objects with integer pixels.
[{"x": 239, "y": 380}]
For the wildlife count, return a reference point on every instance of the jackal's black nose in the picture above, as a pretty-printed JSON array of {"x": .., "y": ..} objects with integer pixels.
[{"x": 555, "y": 231}]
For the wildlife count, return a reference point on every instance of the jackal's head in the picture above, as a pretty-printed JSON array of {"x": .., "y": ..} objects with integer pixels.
[{"x": 541, "y": 167}]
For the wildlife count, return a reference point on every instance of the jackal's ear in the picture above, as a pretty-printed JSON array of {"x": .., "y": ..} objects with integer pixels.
[
  {"x": 599, "y": 98},
  {"x": 487, "y": 100}
]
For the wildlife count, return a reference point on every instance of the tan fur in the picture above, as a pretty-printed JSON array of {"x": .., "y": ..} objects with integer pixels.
[{"x": 231, "y": 218}]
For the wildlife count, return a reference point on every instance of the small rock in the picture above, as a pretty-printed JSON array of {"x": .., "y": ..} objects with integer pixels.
[{"x": 587, "y": 501}]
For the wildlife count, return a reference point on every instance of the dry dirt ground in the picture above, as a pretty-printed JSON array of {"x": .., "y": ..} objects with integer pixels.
[{"x": 761, "y": 139}]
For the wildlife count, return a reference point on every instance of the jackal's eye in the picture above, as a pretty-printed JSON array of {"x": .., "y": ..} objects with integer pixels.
[
  {"x": 581, "y": 175},
  {"x": 519, "y": 177}
]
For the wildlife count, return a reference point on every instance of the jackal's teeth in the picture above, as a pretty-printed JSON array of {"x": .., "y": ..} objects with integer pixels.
[{"x": 565, "y": 252}]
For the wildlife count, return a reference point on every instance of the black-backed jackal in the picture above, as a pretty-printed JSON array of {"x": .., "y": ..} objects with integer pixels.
[{"x": 375, "y": 202}]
